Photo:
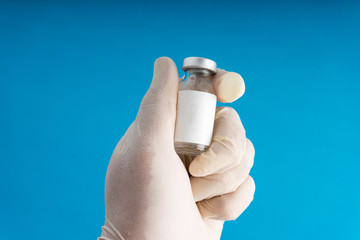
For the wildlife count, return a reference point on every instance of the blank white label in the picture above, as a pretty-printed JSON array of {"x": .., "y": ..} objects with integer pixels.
[{"x": 195, "y": 117}]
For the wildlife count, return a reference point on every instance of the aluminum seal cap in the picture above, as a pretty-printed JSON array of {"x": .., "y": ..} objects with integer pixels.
[{"x": 199, "y": 62}]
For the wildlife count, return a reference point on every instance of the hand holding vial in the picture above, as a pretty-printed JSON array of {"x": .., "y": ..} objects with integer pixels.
[{"x": 149, "y": 194}]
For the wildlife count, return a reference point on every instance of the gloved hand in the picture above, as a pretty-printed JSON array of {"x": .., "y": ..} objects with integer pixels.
[{"x": 148, "y": 192}]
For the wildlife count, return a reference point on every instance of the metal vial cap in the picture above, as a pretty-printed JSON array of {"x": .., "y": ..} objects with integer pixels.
[{"x": 199, "y": 62}]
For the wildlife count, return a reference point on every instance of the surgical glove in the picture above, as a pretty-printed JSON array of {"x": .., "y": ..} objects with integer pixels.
[{"x": 148, "y": 192}]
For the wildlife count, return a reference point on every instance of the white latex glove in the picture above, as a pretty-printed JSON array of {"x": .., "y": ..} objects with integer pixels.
[{"x": 148, "y": 193}]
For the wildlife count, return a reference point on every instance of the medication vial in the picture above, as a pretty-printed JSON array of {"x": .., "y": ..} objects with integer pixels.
[{"x": 196, "y": 107}]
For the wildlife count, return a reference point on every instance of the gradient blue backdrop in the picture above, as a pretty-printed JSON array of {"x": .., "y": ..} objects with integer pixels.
[{"x": 72, "y": 75}]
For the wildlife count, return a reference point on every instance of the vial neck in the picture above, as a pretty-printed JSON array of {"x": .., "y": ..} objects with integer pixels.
[{"x": 199, "y": 72}]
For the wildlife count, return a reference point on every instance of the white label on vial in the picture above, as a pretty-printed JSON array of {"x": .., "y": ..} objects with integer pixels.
[{"x": 195, "y": 117}]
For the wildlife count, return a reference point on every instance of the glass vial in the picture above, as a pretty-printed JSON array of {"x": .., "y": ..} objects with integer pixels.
[{"x": 195, "y": 108}]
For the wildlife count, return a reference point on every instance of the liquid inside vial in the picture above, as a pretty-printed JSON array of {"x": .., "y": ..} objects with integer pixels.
[{"x": 192, "y": 149}]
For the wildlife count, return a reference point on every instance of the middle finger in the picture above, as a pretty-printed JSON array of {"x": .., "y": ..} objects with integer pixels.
[{"x": 227, "y": 147}]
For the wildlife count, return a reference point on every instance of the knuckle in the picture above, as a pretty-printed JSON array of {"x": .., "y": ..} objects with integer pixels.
[
  {"x": 237, "y": 158},
  {"x": 228, "y": 182},
  {"x": 227, "y": 113},
  {"x": 231, "y": 112},
  {"x": 233, "y": 216},
  {"x": 229, "y": 209},
  {"x": 232, "y": 115},
  {"x": 251, "y": 185},
  {"x": 251, "y": 152},
  {"x": 239, "y": 149},
  {"x": 241, "y": 146},
  {"x": 251, "y": 147}
]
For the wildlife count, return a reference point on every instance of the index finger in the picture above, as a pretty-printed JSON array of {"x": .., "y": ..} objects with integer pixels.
[{"x": 229, "y": 86}]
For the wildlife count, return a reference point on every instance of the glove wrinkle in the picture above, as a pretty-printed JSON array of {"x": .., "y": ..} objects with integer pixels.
[{"x": 109, "y": 232}]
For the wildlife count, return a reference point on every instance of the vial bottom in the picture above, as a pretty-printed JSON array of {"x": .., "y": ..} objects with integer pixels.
[
  {"x": 188, "y": 151},
  {"x": 192, "y": 149}
]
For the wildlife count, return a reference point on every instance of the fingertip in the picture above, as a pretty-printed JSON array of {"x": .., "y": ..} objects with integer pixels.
[
  {"x": 229, "y": 86},
  {"x": 200, "y": 166},
  {"x": 164, "y": 69},
  {"x": 164, "y": 59},
  {"x": 196, "y": 169},
  {"x": 165, "y": 77}
]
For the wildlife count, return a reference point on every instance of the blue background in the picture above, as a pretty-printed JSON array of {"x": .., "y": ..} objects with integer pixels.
[{"x": 73, "y": 75}]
